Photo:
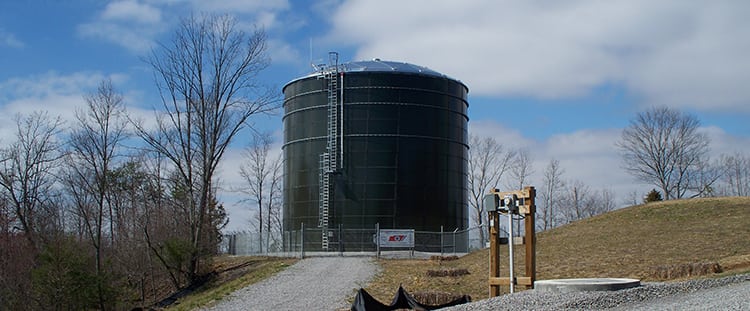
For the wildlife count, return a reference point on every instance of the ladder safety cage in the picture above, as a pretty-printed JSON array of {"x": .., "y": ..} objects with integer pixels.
[{"x": 329, "y": 159}]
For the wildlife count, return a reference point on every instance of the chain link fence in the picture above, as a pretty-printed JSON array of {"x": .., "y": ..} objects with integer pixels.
[{"x": 344, "y": 241}]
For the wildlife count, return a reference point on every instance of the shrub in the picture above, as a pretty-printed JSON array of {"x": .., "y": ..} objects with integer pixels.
[
  {"x": 652, "y": 196},
  {"x": 447, "y": 272},
  {"x": 669, "y": 272}
]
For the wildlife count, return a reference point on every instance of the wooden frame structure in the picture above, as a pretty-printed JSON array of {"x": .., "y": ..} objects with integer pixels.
[{"x": 526, "y": 208}]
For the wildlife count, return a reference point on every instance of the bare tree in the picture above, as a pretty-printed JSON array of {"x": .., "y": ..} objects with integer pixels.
[
  {"x": 488, "y": 162},
  {"x": 207, "y": 76},
  {"x": 604, "y": 202},
  {"x": 703, "y": 177},
  {"x": 275, "y": 216},
  {"x": 26, "y": 171},
  {"x": 576, "y": 200},
  {"x": 736, "y": 176},
  {"x": 580, "y": 201},
  {"x": 552, "y": 186},
  {"x": 520, "y": 170},
  {"x": 16, "y": 260},
  {"x": 94, "y": 143},
  {"x": 662, "y": 146},
  {"x": 633, "y": 198},
  {"x": 161, "y": 221},
  {"x": 262, "y": 176},
  {"x": 255, "y": 173},
  {"x": 274, "y": 219}
]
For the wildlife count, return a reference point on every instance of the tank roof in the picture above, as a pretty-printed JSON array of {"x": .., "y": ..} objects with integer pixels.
[
  {"x": 384, "y": 65},
  {"x": 378, "y": 65}
]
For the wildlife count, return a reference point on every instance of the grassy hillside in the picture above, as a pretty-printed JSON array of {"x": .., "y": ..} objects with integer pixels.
[
  {"x": 232, "y": 273},
  {"x": 632, "y": 242}
]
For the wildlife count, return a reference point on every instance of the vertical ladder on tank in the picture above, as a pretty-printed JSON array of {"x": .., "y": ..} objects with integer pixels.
[
  {"x": 328, "y": 159},
  {"x": 324, "y": 199}
]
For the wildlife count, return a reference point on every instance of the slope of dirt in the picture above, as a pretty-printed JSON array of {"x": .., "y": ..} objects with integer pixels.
[{"x": 682, "y": 237}]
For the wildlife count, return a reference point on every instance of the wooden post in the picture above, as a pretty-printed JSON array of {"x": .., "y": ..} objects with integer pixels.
[
  {"x": 530, "y": 238},
  {"x": 526, "y": 207},
  {"x": 494, "y": 221}
]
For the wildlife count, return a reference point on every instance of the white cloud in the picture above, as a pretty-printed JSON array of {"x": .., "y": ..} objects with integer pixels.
[
  {"x": 58, "y": 94},
  {"x": 239, "y": 6},
  {"x": 680, "y": 53},
  {"x": 131, "y": 11},
  {"x": 281, "y": 52},
  {"x": 501, "y": 134},
  {"x": 8, "y": 39},
  {"x": 589, "y": 156},
  {"x": 50, "y": 91},
  {"x": 129, "y": 23},
  {"x": 724, "y": 143},
  {"x": 135, "y": 24}
]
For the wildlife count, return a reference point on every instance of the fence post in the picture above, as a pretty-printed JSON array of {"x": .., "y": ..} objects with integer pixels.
[
  {"x": 441, "y": 241},
  {"x": 377, "y": 240},
  {"x": 341, "y": 241},
  {"x": 302, "y": 241},
  {"x": 454, "y": 241}
]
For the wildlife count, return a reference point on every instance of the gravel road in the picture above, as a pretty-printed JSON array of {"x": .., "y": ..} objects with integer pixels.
[
  {"x": 320, "y": 283},
  {"x": 728, "y": 293},
  {"x": 325, "y": 283}
]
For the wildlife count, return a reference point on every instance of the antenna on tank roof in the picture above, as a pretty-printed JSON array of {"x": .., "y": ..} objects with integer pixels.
[
  {"x": 312, "y": 64},
  {"x": 316, "y": 67}
]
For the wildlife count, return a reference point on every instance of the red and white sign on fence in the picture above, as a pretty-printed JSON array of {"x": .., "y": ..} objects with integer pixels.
[{"x": 396, "y": 238}]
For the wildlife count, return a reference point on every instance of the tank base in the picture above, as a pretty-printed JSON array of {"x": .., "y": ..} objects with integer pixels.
[{"x": 581, "y": 285}]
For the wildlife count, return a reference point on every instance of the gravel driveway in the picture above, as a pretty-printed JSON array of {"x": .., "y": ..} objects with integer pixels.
[
  {"x": 728, "y": 293},
  {"x": 325, "y": 283},
  {"x": 320, "y": 283}
]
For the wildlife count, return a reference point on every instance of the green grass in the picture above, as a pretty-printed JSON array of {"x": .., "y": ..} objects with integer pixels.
[
  {"x": 629, "y": 242},
  {"x": 253, "y": 270}
]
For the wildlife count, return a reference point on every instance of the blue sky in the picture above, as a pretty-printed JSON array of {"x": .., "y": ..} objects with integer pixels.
[{"x": 559, "y": 78}]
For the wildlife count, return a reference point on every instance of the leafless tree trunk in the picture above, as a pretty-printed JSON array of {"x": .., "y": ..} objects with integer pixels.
[
  {"x": 578, "y": 194},
  {"x": 581, "y": 202},
  {"x": 275, "y": 220},
  {"x": 159, "y": 217},
  {"x": 662, "y": 146},
  {"x": 273, "y": 206},
  {"x": 520, "y": 170},
  {"x": 207, "y": 78},
  {"x": 703, "y": 178},
  {"x": 605, "y": 202},
  {"x": 26, "y": 170},
  {"x": 255, "y": 172},
  {"x": 633, "y": 198},
  {"x": 736, "y": 176},
  {"x": 552, "y": 185},
  {"x": 94, "y": 143},
  {"x": 263, "y": 179},
  {"x": 488, "y": 162}
]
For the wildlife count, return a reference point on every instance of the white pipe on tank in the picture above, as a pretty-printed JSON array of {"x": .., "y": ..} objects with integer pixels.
[{"x": 341, "y": 100}]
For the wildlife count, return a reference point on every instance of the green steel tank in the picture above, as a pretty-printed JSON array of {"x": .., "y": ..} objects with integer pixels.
[{"x": 374, "y": 142}]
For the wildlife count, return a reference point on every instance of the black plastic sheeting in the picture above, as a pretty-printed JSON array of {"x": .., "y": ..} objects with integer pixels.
[{"x": 365, "y": 302}]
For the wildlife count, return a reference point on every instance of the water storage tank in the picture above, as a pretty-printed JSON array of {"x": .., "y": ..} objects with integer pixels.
[{"x": 375, "y": 142}]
